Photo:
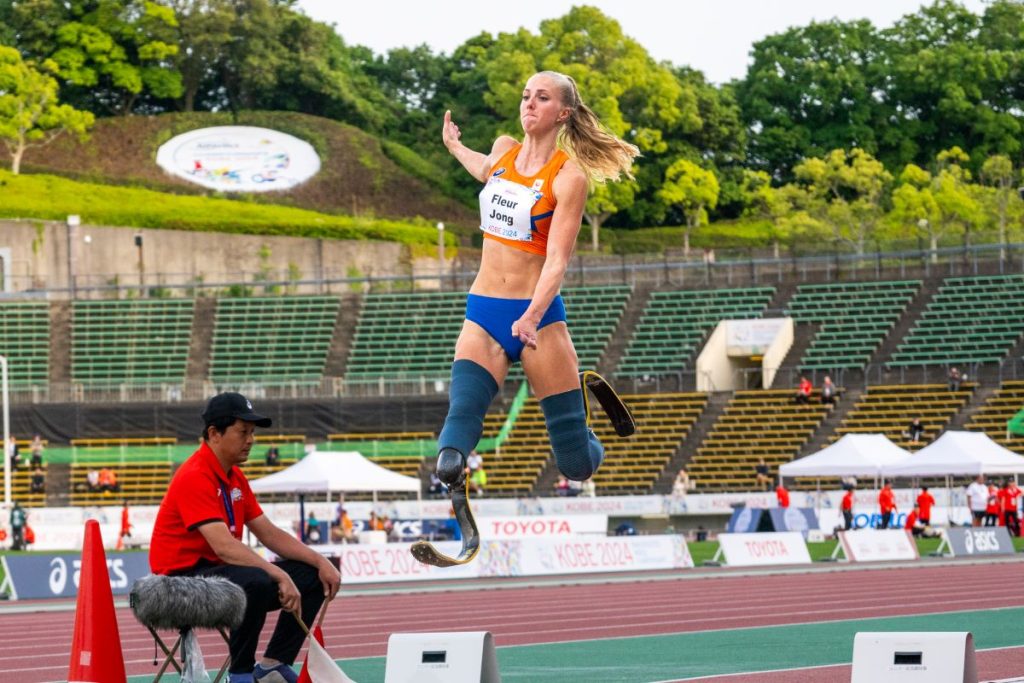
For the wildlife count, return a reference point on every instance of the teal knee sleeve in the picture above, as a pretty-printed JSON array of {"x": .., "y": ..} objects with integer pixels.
[
  {"x": 578, "y": 453},
  {"x": 470, "y": 394}
]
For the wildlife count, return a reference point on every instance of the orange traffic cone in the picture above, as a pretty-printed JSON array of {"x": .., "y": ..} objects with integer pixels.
[{"x": 96, "y": 646}]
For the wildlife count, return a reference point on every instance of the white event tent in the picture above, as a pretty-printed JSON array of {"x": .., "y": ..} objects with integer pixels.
[
  {"x": 959, "y": 453},
  {"x": 852, "y": 455},
  {"x": 334, "y": 472}
]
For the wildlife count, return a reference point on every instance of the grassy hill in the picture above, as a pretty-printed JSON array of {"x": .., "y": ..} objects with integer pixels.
[
  {"x": 40, "y": 195},
  {"x": 360, "y": 175}
]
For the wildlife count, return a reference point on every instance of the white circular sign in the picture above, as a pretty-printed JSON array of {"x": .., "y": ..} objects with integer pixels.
[{"x": 239, "y": 159}]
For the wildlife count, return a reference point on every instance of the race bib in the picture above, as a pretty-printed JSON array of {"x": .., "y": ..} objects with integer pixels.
[{"x": 505, "y": 209}]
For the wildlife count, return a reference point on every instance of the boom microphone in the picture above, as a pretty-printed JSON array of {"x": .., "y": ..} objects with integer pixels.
[{"x": 176, "y": 602}]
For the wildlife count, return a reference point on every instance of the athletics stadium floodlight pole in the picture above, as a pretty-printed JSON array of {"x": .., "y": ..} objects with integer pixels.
[{"x": 4, "y": 397}]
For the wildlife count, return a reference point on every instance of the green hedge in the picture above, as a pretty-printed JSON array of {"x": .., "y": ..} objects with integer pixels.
[{"x": 54, "y": 198}]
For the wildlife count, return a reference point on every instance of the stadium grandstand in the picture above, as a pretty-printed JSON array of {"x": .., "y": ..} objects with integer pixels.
[{"x": 285, "y": 348}]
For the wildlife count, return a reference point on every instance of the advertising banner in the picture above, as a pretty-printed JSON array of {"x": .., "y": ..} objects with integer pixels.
[
  {"x": 969, "y": 542},
  {"x": 542, "y": 527},
  {"x": 750, "y": 550},
  {"x": 239, "y": 159},
  {"x": 527, "y": 557},
  {"x": 744, "y": 520},
  {"x": 56, "y": 576},
  {"x": 878, "y": 545},
  {"x": 793, "y": 519}
]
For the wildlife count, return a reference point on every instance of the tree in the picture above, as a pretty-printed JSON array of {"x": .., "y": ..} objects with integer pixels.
[
  {"x": 692, "y": 189},
  {"x": 203, "y": 38},
  {"x": 937, "y": 205},
  {"x": 810, "y": 90},
  {"x": 604, "y": 200},
  {"x": 915, "y": 211},
  {"x": 851, "y": 188},
  {"x": 998, "y": 173},
  {"x": 109, "y": 52},
  {"x": 30, "y": 114},
  {"x": 959, "y": 208}
]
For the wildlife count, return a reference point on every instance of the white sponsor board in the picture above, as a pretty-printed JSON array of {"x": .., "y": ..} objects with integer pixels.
[
  {"x": 529, "y": 557},
  {"x": 748, "y": 550},
  {"x": 239, "y": 159},
  {"x": 751, "y": 337},
  {"x": 542, "y": 527},
  {"x": 877, "y": 545}
]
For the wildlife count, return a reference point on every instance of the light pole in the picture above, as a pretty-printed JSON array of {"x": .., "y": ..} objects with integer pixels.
[
  {"x": 72, "y": 222},
  {"x": 440, "y": 255},
  {"x": 142, "y": 266},
  {"x": 923, "y": 226},
  {"x": 5, "y": 398}
]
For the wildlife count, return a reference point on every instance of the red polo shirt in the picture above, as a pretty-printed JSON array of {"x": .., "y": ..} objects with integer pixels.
[
  {"x": 847, "y": 503},
  {"x": 783, "y": 496},
  {"x": 196, "y": 496},
  {"x": 925, "y": 501},
  {"x": 887, "y": 500},
  {"x": 911, "y": 521},
  {"x": 1008, "y": 498}
]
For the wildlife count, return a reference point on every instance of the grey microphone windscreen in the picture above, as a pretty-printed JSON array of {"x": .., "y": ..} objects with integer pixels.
[{"x": 175, "y": 602}]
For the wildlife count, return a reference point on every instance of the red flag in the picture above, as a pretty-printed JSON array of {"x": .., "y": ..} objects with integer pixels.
[{"x": 304, "y": 676}]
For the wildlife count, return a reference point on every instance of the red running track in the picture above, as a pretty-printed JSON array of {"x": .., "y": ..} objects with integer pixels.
[{"x": 36, "y": 645}]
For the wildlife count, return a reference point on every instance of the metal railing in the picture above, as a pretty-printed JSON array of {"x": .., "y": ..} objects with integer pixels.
[{"x": 585, "y": 269}]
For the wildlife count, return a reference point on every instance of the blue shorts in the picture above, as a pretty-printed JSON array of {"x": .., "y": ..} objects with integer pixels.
[{"x": 496, "y": 316}]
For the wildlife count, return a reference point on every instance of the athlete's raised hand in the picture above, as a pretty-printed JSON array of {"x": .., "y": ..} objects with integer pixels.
[{"x": 450, "y": 133}]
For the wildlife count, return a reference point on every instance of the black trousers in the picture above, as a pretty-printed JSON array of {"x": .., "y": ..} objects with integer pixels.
[
  {"x": 1011, "y": 522},
  {"x": 261, "y": 597},
  {"x": 886, "y": 518},
  {"x": 847, "y": 520}
]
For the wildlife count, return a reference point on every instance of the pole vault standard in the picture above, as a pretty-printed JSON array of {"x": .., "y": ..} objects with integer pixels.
[{"x": 5, "y": 399}]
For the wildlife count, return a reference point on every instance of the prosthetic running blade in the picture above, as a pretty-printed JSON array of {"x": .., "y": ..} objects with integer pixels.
[
  {"x": 617, "y": 411},
  {"x": 425, "y": 552}
]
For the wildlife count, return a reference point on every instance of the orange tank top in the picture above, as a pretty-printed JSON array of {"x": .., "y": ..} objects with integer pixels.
[{"x": 516, "y": 210}]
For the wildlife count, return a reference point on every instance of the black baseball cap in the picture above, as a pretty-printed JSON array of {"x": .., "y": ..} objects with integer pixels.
[{"x": 231, "y": 404}]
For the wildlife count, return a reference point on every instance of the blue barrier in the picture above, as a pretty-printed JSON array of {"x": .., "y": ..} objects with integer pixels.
[{"x": 56, "y": 576}]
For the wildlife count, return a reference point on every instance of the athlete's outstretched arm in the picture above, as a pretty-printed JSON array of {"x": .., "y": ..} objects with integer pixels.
[
  {"x": 570, "y": 188},
  {"x": 478, "y": 164}
]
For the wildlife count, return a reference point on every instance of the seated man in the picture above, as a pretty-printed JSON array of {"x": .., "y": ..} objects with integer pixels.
[
  {"x": 38, "y": 483},
  {"x": 273, "y": 456},
  {"x": 917, "y": 527},
  {"x": 343, "y": 530},
  {"x": 436, "y": 489},
  {"x": 478, "y": 481},
  {"x": 562, "y": 486},
  {"x": 198, "y": 532},
  {"x": 916, "y": 430},
  {"x": 761, "y": 474},
  {"x": 803, "y": 392}
]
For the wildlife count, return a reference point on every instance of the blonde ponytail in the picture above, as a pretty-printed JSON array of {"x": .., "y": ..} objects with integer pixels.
[{"x": 600, "y": 154}]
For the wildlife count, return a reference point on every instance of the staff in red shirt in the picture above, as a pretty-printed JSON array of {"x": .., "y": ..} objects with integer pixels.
[
  {"x": 1008, "y": 496},
  {"x": 925, "y": 501},
  {"x": 913, "y": 523},
  {"x": 993, "y": 511},
  {"x": 782, "y": 495},
  {"x": 198, "y": 532},
  {"x": 847, "y": 508},
  {"x": 886, "y": 504}
]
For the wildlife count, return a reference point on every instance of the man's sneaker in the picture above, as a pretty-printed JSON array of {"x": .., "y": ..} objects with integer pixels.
[{"x": 282, "y": 673}]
